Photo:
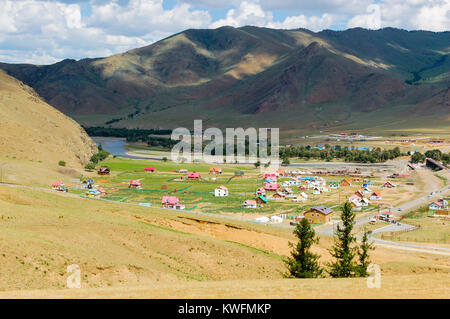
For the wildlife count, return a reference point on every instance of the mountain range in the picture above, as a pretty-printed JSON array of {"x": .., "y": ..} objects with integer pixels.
[{"x": 298, "y": 80}]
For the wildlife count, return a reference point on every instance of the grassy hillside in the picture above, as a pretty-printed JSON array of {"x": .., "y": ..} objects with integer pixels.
[
  {"x": 30, "y": 129},
  {"x": 293, "y": 79},
  {"x": 145, "y": 252}
]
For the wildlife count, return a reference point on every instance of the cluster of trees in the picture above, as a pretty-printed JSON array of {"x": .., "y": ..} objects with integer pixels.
[
  {"x": 132, "y": 135},
  {"x": 329, "y": 153},
  {"x": 350, "y": 260},
  {"x": 101, "y": 155},
  {"x": 435, "y": 154}
]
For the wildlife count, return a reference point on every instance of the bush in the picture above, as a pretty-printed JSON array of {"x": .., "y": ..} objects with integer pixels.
[
  {"x": 90, "y": 166},
  {"x": 62, "y": 163}
]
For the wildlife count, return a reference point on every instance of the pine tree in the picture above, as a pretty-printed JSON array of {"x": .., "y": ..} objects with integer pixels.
[
  {"x": 343, "y": 251},
  {"x": 363, "y": 255},
  {"x": 304, "y": 263}
]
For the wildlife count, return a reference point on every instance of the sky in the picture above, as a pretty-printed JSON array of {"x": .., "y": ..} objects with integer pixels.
[{"x": 47, "y": 31}]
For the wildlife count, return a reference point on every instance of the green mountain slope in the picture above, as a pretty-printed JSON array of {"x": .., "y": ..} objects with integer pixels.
[{"x": 256, "y": 76}]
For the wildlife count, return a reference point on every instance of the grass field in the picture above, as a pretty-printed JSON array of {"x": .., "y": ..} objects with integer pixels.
[{"x": 432, "y": 229}]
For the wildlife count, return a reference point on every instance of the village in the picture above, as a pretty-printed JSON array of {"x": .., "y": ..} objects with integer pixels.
[{"x": 284, "y": 196}]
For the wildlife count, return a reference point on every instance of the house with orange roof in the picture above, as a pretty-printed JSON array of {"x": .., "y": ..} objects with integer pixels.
[{"x": 376, "y": 195}]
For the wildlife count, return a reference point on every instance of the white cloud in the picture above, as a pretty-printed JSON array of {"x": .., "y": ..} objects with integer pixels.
[
  {"x": 432, "y": 15},
  {"x": 47, "y": 31},
  {"x": 248, "y": 13},
  {"x": 251, "y": 13},
  {"x": 140, "y": 17}
]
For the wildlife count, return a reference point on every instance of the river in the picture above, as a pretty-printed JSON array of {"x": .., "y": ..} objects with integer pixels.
[{"x": 116, "y": 146}]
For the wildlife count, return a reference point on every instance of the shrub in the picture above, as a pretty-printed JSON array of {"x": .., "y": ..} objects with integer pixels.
[
  {"x": 62, "y": 163},
  {"x": 90, "y": 166}
]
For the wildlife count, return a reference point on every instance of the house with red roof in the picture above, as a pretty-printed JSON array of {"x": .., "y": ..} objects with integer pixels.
[
  {"x": 149, "y": 169},
  {"x": 435, "y": 206},
  {"x": 271, "y": 187},
  {"x": 194, "y": 176},
  {"x": 134, "y": 184},
  {"x": 57, "y": 184},
  {"x": 171, "y": 202},
  {"x": 249, "y": 204}
]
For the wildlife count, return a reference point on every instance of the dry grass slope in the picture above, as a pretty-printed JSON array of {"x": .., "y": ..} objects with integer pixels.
[{"x": 31, "y": 129}]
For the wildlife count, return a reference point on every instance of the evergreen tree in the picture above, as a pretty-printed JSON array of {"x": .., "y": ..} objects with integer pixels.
[
  {"x": 304, "y": 263},
  {"x": 342, "y": 251},
  {"x": 363, "y": 255}
]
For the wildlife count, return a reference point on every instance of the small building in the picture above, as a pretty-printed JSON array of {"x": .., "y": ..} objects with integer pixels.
[
  {"x": 355, "y": 202},
  {"x": 249, "y": 204},
  {"x": 334, "y": 184},
  {"x": 319, "y": 214},
  {"x": 221, "y": 191},
  {"x": 385, "y": 216},
  {"x": 215, "y": 170},
  {"x": 287, "y": 191},
  {"x": 169, "y": 201},
  {"x": 134, "y": 184},
  {"x": 88, "y": 183},
  {"x": 376, "y": 195},
  {"x": 260, "y": 191},
  {"x": 281, "y": 172},
  {"x": 271, "y": 187},
  {"x": 61, "y": 188},
  {"x": 359, "y": 194},
  {"x": 102, "y": 191},
  {"x": 367, "y": 190},
  {"x": 103, "y": 171},
  {"x": 435, "y": 206},
  {"x": 316, "y": 190},
  {"x": 194, "y": 176},
  {"x": 93, "y": 193},
  {"x": 346, "y": 182},
  {"x": 388, "y": 185},
  {"x": 57, "y": 184},
  {"x": 365, "y": 202},
  {"x": 182, "y": 171},
  {"x": 149, "y": 169},
  {"x": 261, "y": 200},
  {"x": 279, "y": 195}
]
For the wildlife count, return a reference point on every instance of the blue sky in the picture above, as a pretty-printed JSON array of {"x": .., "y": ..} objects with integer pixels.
[{"x": 47, "y": 31}]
